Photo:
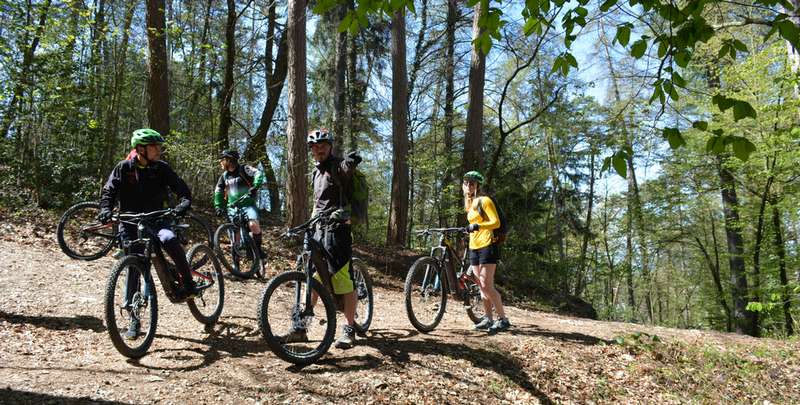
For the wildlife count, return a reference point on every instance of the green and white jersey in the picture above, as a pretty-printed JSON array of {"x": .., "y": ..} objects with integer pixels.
[{"x": 232, "y": 185}]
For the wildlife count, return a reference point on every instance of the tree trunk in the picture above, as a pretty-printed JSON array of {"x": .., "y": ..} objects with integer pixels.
[
  {"x": 353, "y": 92},
  {"x": 256, "y": 150},
  {"x": 227, "y": 86},
  {"x": 398, "y": 212},
  {"x": 158, "y": 79},
  {"x": 339, "y": 95},
  {"x": 473, "y": 138},
  {"x": 297, "y": 122},
  {"x": 24, "y": 78},
  {"x": 449, "y": 195},
  {"x": 120, "y": 65},
  {"x": 780, "y": 249},
  {"x": 743, "y": 321},
  {"x": 195, "y": 90},
  {"x": 759, "y": 238},
  {"x": 579, "y": 284}
]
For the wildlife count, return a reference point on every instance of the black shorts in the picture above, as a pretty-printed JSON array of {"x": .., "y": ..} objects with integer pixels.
[{"x": 488, "y": 255}]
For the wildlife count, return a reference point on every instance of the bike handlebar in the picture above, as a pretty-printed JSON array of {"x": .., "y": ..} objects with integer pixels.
[
  {"x": 430, "y": 231},
  {"x": 129, "y": 217},
  {"x": 292, "y": 232}
]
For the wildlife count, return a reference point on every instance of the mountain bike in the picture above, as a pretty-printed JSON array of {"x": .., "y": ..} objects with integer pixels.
[
  {"x": 81, "y": 236},
  {"x": 140, "y": 305},
  {"x": 289, "y": 299},
  {"x": 432, "y": 278},
  {"x": 235, "y": 247}
]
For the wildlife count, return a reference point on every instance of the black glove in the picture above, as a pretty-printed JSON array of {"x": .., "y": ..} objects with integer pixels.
[
  {"x": 220, "y": 212},
  {"x": 182, "y": 207},
  {"x": 253, "y": 191},
  {"x": 104, "y": 216},
  {"x": 472, "y": 227},
  {"x": 353, "y": 158}
]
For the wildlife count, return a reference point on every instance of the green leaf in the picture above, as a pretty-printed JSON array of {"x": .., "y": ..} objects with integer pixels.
[
  {"x": 663, "y": 46},
  {"x": 623, "y": 34},
  {"x": 701, "y": 125},
  {"x": 670, "y": 90},
  {"x": 607, "y": 5},
  {"x": 742, "y": 110},
  {"x": 674, "y": 137},
  {"x": 716, "y": 144},
  {"x": 638, "y": 48},
  {"x": 722, "y": 102},
  {"x": 742, "y": 148},
  {"x": 678, "y": 80},
  {"x": 582, "y": 11},
  {"x": 570, "y": 59},
  {"x": 620, "y": 165},
  {"x": 723, "y": 50},
  {"x": 754, "y": 307},
  {"x": 606, "y": 164},
  {"x": 658, "y": 92},
  {"x": 532, "y": 25},
  {"x": 739, "y": 45},
  {"x": 682, "y": 58}
]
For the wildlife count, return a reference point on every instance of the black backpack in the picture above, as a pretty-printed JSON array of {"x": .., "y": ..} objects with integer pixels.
[{"x": 499, "y": 235}]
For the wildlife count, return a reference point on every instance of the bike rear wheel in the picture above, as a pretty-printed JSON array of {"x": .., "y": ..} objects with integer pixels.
[
  {"x": 237, "y": 255},
  {"x": 425, "y": 298},
  {"x": 364, "y": 303},
  {"x": 196, "y": 231},
  {"x": 473, "y": 302},
  {"x": 141, "y": 306},
  {"x": 207, "y": 275},
  {"x": 80, "y": 236},
  {"x": 280, "y": 312}
]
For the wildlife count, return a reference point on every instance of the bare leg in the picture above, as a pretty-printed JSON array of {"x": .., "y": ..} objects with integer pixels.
[
  {"x": 487, "y": 288},
  {"x": 485, "y": 298}
]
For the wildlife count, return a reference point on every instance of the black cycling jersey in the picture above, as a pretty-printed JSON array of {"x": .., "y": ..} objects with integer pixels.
[{"x": 142, "y": 188}]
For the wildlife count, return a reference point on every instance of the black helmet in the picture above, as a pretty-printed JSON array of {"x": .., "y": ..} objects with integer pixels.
[
  {"x": 319, "y": 135},
  {"x": 229, "y": 153}
]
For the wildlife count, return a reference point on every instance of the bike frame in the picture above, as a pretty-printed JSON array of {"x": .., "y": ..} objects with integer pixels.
[
  {"x": 242, "y": 223},
  {"x": 153, "y": 253},
  {"x": 446, "y": 258}
]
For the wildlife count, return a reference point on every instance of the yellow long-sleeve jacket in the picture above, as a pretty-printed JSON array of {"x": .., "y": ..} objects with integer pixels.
[{"x": 483, "y": 236}]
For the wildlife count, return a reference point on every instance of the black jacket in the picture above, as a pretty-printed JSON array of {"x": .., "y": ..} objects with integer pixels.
[
  {"x": 143, "y": 189},
  {"x": 328, "y": 179}
]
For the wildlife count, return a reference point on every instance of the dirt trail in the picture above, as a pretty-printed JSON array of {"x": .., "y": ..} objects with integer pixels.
[{"x": 55, "y": 349}]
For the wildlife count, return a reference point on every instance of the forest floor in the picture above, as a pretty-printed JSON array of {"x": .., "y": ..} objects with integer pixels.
[{"x": 55, "y": 349}]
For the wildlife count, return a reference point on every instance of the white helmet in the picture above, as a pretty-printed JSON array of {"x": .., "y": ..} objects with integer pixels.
[{"x": 319, "y": 135}]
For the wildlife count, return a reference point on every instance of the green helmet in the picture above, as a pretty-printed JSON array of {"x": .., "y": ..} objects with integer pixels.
[
  {"x": 474, "y": 175},
  {"x": 145, "y": 136}
]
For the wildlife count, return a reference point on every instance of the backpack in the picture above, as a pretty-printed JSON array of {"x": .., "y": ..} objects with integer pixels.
[
  {"x": 356, "y": 194},
  {"x": 500, "y": 234}
]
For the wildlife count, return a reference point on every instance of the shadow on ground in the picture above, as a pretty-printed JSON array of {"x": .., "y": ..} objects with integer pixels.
[
  {"x": 56, "y": 322},
  {"x": 8, "y": 396}
]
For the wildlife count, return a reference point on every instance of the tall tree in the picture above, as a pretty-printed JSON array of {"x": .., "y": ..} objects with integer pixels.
[
  {"x": 158, "y": 79},
  {"x": 297, "y": 122},
  {"x": 449, "y": 197},
  {"x": 24, "y": 78},
  {"x": 473, "y": 138},
  {"x": 256, "y": 149},
  {"x": 339, "y": 94},
  {"x": 398, "y": 212},
  {"x": 227, "y": 85}
]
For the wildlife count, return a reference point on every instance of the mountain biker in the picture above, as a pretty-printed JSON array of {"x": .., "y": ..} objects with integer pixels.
[
  {"x": 483, "y": 251},
  {"x": 141, "y": 185},
  {"x": 330, "y": 173},
  {"x": 235, "y": 181}
]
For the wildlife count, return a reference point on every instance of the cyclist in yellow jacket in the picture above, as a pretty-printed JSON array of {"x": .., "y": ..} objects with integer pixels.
[{"x": 483, "y": 251}]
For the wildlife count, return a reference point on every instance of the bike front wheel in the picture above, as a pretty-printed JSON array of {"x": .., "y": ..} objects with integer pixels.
[
  {"x": 364, "y": 303},
  {"x": 80, "y": 236},
  {"x": 207, "y": 275},
  {"x": 236, "y": 255},
  {"x": 131, "y": 307},
  {"x": 473, "y": 302},
  {"x": 425, "y": 295},
  {"x": 282, "y": 317}
]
